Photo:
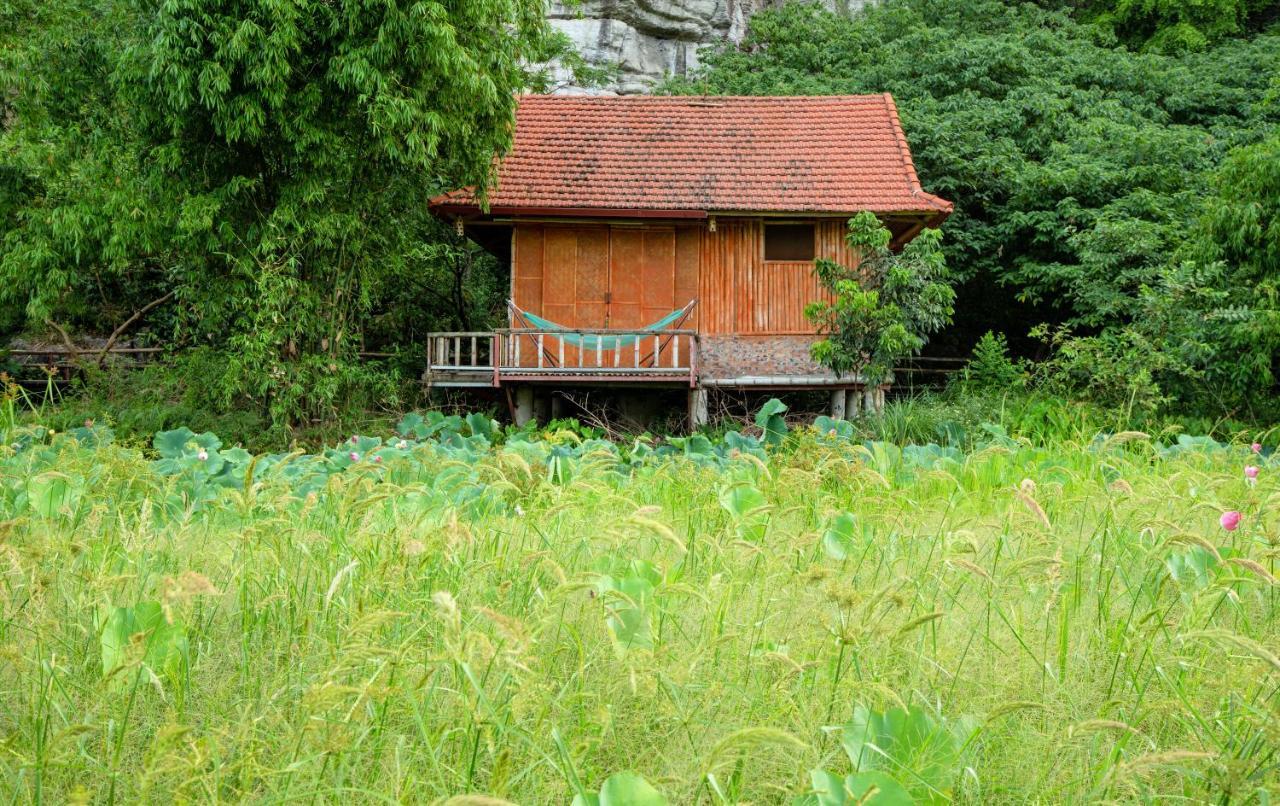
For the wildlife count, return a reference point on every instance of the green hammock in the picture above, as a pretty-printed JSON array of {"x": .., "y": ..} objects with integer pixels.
[{"x": 589, "y": 342}]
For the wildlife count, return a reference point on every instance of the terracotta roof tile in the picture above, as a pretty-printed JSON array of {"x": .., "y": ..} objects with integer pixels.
[{"x": 828, "y": 154}]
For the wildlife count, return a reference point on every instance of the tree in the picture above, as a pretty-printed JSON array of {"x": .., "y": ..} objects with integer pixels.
[
  {"x": 885, "y": 308},
  {"x": 1219, "y": 304},
  {"x": 317, "y": 131},
  {"x": 1170, "y": 26},
  {"x": 269, "y": 161}
]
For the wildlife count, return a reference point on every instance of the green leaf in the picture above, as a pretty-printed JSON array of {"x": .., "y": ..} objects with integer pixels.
[
  {"x": 183, "y": 442},
  {"x": 749, "y": 508},
  {"x": 829, "y": 427},
  {"x": 173, "y": 444},
  {"x": 887, "y": 790},
  {"x": 51, "y": 494},
  {"x": 141, "y": 633},
  {"x": 771, "y": 421},
  {"x": 837, "y": 540},
  {"x": 828, "y": 789},
  {"x": 742, "y": 501},
  {"x": 481, "y": 426},
  {"x": 629, "y": 789},
  {"x": 743, "y": 443},
  {"x": 627, "y": 602},
  {"x": 1196, "y": 567},
  {"x": 870, "y": 788},
  {"x": 409, "y": 425},
  {"x": 914, "y": 747},
  {"x": 91, "y": 436}
]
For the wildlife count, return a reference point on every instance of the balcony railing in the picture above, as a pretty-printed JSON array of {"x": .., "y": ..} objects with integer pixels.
[{"x": 533, "y": 354}]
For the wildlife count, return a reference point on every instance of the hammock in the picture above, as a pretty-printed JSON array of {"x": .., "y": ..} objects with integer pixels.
[{"x": 602, "y": 342}]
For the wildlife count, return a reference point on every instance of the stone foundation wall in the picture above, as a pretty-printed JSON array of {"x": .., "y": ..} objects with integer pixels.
[{"x": 738, "y": 356}]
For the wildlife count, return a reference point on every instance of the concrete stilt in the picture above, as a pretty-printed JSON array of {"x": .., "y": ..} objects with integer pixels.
[
  {"x": 852, "y": 403},
  {"x": 524, "y": 405},
  {"x": 698, "y": 416},
  {"x": 542, "y": 407},
  {"x": 869, "y": 400},
  {"x": 880, "y": 395},
  {"x": 557, "y": 406},
  {"x": 837, "y": 404}
]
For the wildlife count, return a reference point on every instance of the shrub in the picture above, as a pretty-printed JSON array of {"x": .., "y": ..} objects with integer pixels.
[
  {"x": 991, "y": 367},
  {"x": 886, "y": 307}
]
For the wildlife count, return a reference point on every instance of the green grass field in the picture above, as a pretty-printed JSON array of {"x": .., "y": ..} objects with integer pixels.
[{"x": 818, "y": 620}]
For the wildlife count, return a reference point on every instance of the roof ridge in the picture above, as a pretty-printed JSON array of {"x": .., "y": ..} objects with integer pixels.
[{"x": 868, "y": 97}]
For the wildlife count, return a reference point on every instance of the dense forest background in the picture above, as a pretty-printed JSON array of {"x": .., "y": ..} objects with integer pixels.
[
  {"x": 1115, "y": 169},
  {"x": 257, "y": 171}
]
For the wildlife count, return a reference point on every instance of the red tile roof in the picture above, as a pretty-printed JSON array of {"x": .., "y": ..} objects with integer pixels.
[{"x": 694, "y": 155}]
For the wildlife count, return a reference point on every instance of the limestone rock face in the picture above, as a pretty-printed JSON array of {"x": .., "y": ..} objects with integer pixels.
[{"x": 651, "y": 39}]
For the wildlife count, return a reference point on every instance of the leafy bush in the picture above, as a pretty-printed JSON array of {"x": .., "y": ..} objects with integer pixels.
[
  {"x": 991, "y": 368},
  {"x": 1116, "y": 368},
  {"x": 183, "y": 391},
  {"x": 884, "y": 308}
]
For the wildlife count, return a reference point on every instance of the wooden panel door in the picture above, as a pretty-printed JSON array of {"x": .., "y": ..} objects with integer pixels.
[
  {"x": 526, "y": 280},
  {"x": 592, "y": 280},
  {"x": 688, "y": 258},
  {"x": 559, "y": 274},
  {"x": 658, "y": 276},
  {"x": 626, "y": 263},
  {"x": 642, "y": 276}
]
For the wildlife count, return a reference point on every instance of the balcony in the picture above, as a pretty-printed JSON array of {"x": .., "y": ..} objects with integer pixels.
[{"x": 536, "y": 355}]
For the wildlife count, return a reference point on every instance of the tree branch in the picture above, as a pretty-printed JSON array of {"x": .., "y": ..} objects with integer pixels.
[
  {"x": 72, "y": 353},
  {"x": 115, "y": 334}
]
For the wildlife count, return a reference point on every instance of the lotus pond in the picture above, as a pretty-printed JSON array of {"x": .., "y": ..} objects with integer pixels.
[{"x": 457, "y": 613}]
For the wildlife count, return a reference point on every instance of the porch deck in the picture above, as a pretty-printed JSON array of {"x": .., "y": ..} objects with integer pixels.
[{"x": 474, "y": 359}]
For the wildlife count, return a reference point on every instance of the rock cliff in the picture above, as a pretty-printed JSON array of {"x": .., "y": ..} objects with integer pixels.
[{"x": 651, "y": 39}]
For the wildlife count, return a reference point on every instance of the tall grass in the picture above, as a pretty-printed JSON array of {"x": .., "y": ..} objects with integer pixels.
[{"x": 1077, "y": 599}]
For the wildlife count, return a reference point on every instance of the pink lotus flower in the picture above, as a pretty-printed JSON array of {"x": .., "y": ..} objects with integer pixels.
[
  {"x": 377, "y": 460},
  {"x": 355, "y": 457},
  {"x": 1256, "y": 447},
  {"x": 203, "y": 456},
  {"x": 354, "y": 439},
  {"x": 1250, "y": 472},
  {"x": 1230, "y": 520}
]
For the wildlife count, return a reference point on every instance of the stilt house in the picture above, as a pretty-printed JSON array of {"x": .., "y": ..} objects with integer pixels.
[{"x": 670, "y": 241}]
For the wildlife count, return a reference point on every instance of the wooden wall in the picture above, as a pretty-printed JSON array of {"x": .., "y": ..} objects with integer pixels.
[
  {"x": 605, "y": 276},
  {"x": 742, "y": 293},
  {"x": 626, "y": 276}
]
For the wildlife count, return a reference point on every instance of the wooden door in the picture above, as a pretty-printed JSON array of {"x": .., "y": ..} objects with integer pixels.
[
  {"x": 592, "y": 278},
  {"x": 642, "y": 275},
  {"x": 560, "y": 275}
]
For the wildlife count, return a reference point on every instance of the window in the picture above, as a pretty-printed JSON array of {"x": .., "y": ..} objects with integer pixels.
[{"x": 788, "y": 242}]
